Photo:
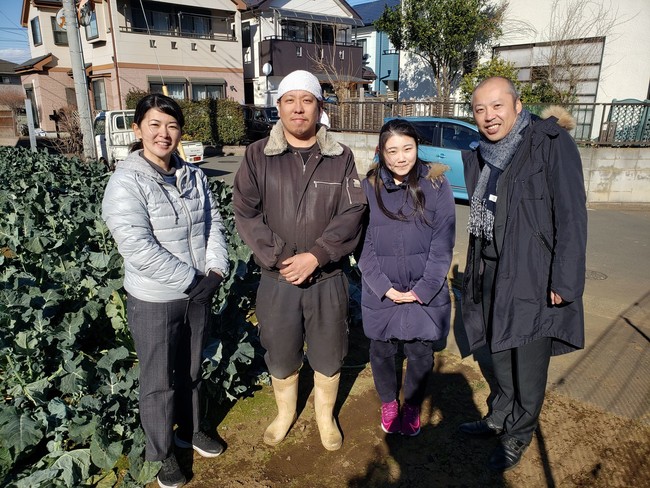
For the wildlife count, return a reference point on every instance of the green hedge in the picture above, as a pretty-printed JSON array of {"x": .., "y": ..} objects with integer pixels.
[
  {"x": 214, "y": 122},
  {"x": 68, "y": 370}
]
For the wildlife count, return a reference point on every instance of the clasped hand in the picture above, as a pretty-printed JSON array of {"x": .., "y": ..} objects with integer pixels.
[
  {"x": 299, "y": 268},
  {"x": 205, "y": 289},
  {"x": 400, "y": 297}
]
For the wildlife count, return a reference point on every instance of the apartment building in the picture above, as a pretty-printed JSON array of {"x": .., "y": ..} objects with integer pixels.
[
  {"x": 191, "y": 46},
  {"x": 280, "y": 36}
]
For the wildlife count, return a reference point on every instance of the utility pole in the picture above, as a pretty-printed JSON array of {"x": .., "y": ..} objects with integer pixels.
[{"x": 79, "y": 76}]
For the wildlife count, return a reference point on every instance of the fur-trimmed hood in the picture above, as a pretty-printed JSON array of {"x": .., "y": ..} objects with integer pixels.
[
  {"x": 564, "y": 118},
  {"x": 277, "y": 143},
  {"x": 433, "y": 172}
]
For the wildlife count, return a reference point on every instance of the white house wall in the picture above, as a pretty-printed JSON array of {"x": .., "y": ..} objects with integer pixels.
[
  {"x": 415, "y": 78},
  {"x": 625, "y": 71}
]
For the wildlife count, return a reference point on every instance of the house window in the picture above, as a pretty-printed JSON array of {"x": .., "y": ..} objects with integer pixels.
[
  {"x": 175, "y": 90},
  {"x": 5, "y": 80},
  {"x": 245, "y": 35},
  {"x": 99, "y": 94},
  {"x": 294, "y": 30},
  {"x": 35, "y": 24},
  {"x": 196, "y": 25},
  {"x": 60, "y": 35},
  {"x": 203, "y": 91},
  {"x": 92, "y": 31},
  {"x": 323, "y": 34}
]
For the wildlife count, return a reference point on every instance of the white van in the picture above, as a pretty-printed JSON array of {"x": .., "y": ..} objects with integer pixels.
[{"x": 114, "y": 136}]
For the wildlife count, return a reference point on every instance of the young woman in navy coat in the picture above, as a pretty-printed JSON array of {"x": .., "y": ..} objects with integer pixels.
[{"x": 404, "y": 264}]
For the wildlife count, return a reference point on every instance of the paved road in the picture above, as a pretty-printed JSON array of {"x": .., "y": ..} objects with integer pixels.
[{"x": 613, "y": 371}]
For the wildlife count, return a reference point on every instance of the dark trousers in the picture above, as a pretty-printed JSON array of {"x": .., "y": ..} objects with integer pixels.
[
  {"x": 291, "y": 315},
  {"x": 169, "y": 340},
  {"x": 521, "y": 374},
  {"x": 419, "y": 355}
]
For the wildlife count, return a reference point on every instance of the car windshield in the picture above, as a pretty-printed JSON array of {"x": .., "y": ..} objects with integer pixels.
[{"x": 272, "y": 114}]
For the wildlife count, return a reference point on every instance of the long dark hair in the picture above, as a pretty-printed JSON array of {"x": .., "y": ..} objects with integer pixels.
[
  {"x": 160, "y": 102},
  {"x": 399, "y": 127}
]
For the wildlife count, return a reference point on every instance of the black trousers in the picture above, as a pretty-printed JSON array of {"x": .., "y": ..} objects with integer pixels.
[
  {"x": 419, "y": 355},
  {"x": 169, "y": 340},
  {"x": 521, "y": 374},
  {"x": 290, "y": 316}
]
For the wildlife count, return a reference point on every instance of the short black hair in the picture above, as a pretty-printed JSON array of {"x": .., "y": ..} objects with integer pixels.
[{"x": 160, "y": 102}]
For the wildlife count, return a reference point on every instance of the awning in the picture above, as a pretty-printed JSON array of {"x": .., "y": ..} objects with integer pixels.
[
  {"x": 165, "y": 79},
  {"x": 208, "y": 81},
  {"x": 323, "y": 19},
  {"x": 34, "y": 64},
  {"x": 368, "y": 74}
]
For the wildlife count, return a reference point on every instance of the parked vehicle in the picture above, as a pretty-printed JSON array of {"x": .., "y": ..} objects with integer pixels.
[
  {"x": 443, "y": 140},
  {"x": 259, "y": 121},
  {"x": 114, "y": 136}
]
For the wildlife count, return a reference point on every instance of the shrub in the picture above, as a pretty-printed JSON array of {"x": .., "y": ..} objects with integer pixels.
[{"x": 68, "y": 369}]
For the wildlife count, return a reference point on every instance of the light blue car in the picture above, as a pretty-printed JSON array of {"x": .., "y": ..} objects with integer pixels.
[{"x": 441, "y": 141}]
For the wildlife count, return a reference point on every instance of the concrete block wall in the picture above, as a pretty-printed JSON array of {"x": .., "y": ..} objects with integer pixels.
[
  {"x": 616, "y": 175},
  {"x": 362, "y": 145},
  {"x": 613, "y": 175}
]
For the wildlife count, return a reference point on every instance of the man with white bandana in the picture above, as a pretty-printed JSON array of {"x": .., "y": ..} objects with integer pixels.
[
  {"x": 525, "y": 273},
  {"x": 299, "y": 205}
]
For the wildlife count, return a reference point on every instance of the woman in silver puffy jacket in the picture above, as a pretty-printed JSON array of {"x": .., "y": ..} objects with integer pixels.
[{"x": 165, "y": 221}]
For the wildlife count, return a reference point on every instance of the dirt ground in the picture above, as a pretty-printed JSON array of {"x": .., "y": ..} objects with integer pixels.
[{"x": 576, "y": 445}]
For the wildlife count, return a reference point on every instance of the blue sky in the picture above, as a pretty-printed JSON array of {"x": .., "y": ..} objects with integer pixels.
[{"x": 14, "y": 45}]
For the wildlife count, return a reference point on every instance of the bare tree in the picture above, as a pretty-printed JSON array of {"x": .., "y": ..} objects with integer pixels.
[
  {"x": 70, "y": 140},
  {"x": 339, "y": 73},
  {"x": 576, "y": 36}
]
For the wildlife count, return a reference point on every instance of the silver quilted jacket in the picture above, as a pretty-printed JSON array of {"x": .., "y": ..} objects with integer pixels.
[{"x": 165, "y": 233}]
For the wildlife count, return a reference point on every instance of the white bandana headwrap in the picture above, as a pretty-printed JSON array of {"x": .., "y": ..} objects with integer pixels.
[{"x": 300, "y": 80}]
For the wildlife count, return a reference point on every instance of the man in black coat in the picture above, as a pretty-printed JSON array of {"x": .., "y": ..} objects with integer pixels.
[{"x": 525, "y": 274}]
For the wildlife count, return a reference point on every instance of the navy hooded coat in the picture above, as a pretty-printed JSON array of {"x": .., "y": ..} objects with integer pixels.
[
  {"x": 408, "y": 255},
  {"x": 543, "y": 246}
]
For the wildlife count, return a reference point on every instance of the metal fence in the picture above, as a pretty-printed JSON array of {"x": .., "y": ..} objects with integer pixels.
[{"x": 607, "y": 124}]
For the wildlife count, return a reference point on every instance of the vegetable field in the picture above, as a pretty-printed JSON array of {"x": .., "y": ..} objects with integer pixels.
[{"x": 68, "y": 370}]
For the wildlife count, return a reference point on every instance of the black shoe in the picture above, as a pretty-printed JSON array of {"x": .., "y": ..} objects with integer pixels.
[
  {"x": 170, "y": 475},
  {"x": 507, "y": 454},
  {"x": 480, "y": 427},
  {"x": 201, "y": 443}
]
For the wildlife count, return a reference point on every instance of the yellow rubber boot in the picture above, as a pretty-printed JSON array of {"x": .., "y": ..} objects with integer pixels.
[
  {"x": 325, "y": 391},
  {"x": 286, "y": 397}
]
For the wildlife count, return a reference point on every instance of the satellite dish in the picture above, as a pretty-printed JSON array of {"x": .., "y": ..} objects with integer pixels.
[{"x": 60, "y": 19}]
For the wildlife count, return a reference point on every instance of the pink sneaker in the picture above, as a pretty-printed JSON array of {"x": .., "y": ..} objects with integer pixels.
[
  {"x": 410, "y": 420},
  {"x": 390, "y": 417}
]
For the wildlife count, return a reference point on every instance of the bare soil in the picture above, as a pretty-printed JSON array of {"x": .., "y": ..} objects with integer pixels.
[{"x": 576, "y": 445}]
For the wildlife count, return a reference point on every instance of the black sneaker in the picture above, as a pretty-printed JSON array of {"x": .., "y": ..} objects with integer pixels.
[
  {"x": 201, "y": 443},
  {"x": 170, "y": 475}
]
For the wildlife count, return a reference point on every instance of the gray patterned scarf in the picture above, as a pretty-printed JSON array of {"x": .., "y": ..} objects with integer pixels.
[{"x": 497, "y": 157}]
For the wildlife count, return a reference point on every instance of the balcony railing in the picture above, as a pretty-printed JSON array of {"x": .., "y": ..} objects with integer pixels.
[
  {"x": 180, "y": 24},
  {"x": 288, "y": 37},
  {"x": 604, "y": 124}
]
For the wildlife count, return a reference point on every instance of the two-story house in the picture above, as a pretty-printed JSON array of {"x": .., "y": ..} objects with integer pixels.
[
  {"x": 378, "y": 52},
  {"x": 191, "y": 46},
  {"x": 280, "y": 36}
]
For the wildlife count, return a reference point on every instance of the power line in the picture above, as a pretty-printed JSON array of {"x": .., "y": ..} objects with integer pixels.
[{"x": 10, "y": 19}]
